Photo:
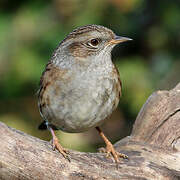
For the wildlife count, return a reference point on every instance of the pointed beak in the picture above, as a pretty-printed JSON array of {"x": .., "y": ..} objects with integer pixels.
[{"x": 119, "y": 39}]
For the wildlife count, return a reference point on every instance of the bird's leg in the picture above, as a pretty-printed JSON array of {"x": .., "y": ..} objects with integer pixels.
[
  {"x": 109, "y": 147},
  {"x": 57, "y": 145}
]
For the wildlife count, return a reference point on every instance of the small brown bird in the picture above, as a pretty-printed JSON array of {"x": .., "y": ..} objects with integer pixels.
[{"x": 80, "y": 86}]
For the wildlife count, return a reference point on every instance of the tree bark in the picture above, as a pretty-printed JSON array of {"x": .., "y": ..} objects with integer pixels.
[{"x": 153, "y": 149}]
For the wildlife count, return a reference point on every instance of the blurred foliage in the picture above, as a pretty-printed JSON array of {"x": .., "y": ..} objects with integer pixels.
[{"x": 31, "y": 30}]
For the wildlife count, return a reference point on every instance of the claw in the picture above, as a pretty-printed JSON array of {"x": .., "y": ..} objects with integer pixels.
[
  {"x": 102, "y": 150},
  {"x": 108, "y": 154},
  {"x": 122, "y": 155}
]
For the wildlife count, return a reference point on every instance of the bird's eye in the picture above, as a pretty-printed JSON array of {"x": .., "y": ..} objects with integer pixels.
[{"x": 94, "y": 42}]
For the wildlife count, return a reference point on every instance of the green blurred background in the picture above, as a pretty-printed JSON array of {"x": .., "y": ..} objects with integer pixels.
[{"x": 31, "y": 30}]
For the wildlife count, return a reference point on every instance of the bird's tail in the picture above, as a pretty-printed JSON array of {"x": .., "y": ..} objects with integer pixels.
[{"x": 44, "y": 125}]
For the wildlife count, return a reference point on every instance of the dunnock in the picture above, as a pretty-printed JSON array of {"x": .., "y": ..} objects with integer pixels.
[{"x": 80, "y": 86}]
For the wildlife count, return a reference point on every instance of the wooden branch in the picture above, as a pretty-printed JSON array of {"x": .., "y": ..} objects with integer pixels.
[{"x": 153, "y": 149}]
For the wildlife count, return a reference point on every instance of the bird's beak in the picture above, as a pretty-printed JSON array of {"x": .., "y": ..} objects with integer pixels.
[{"x": 119, "y": 39}]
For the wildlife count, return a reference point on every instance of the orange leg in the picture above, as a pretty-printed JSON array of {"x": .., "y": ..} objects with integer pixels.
[
  {"x": 109, "y": 147},
  {"x": 57, "y": 145}
]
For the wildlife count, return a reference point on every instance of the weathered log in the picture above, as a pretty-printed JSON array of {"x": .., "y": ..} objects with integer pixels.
[{"x": 153, "y": 149}]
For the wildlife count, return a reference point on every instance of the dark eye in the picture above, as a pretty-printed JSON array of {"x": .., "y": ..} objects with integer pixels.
[{"x": 94, "y": 42}]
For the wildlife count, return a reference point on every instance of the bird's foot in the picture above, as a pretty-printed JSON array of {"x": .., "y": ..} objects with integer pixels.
[
  {"x": 110, "y": 151},
  {"x": 57, "y": 145},
  {"x": 110, "y": 148}
]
